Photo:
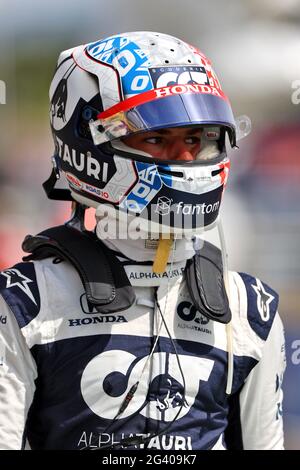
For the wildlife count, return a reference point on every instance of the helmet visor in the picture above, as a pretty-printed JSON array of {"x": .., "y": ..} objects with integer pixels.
[{"x": 183, "y": 109}]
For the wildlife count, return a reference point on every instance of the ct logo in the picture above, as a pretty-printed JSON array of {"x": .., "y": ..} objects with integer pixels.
[
  {"x": 180, "y": 75},
  {"x": 109, "y": 376},
  {"x": 188, "y": 312}
]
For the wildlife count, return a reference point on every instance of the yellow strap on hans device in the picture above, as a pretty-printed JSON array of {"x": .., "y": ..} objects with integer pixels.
[{"x": 162, "y": 255}]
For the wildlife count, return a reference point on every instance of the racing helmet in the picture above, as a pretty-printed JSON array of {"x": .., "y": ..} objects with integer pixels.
[{"x": 129, "y": 83}]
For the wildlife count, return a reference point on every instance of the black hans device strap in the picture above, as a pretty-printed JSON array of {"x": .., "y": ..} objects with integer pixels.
[
  {"x": 205, "y": 282},
  {"x": 103, "y": 276},
  {"x": 106, "y": 284}
]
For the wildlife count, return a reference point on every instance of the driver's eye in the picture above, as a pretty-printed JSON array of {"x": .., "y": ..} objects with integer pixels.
[
  {"x": 192, "y": 140},
  {"x": 153, "y": 140}
]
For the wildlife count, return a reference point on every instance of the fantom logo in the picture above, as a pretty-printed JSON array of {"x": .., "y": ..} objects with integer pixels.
[
  {"x": 188, "y": 209},
  {"x": 109, "y": 376}
]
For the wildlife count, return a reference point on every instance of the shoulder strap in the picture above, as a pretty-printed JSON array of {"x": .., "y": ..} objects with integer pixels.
[
  {"x": 103, "y": 276},
  {"x": 205, "y": 283}
]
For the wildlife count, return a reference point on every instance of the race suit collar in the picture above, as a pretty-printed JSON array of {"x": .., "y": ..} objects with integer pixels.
[{"x": 145, "y": 250}]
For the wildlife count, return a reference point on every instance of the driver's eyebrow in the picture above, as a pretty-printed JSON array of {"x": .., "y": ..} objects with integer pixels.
[{"x": 194, "y": 130}]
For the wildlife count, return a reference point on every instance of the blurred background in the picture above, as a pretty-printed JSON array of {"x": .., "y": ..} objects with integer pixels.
[{"x": 255, "y": 48}]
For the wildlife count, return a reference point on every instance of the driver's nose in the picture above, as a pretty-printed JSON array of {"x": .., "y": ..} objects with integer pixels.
[{"x": 178, "y": 150}]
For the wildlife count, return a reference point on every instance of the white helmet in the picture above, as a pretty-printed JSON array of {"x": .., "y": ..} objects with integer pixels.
[{"x": 135, "y": 82}]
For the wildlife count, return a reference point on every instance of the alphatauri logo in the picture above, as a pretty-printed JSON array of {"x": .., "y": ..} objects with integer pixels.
[
  {"x": 81, "y": 161},
  {"x": 192, "y": 319}
]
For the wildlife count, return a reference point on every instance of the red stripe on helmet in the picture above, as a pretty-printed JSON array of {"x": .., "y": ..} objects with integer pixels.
[{"x": 158, "y": 93}]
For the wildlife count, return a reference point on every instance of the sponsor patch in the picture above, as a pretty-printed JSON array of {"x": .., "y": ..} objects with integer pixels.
[
  {"x": 19, "y": 289},
  {"x": 80, "y": 162},
  {"x": 165, "y": 395},
  {"x": 163, "y": 205},
  {"x": 73, "y": 181},
  {"x": 192, "y": 318},
  {"x": 264, "y": 298},
  {"x": 164, "y": 442},
  {"x": 143, "y": 275},
  {"x": 262, "y": 302},
  {"x": 88, "y": 188},
  {"x": 99, "y": 319},
  {"x": 178, "y": 75},
  {"x": 14, "y": 278},
  {"x": 194, "y": 88}
]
